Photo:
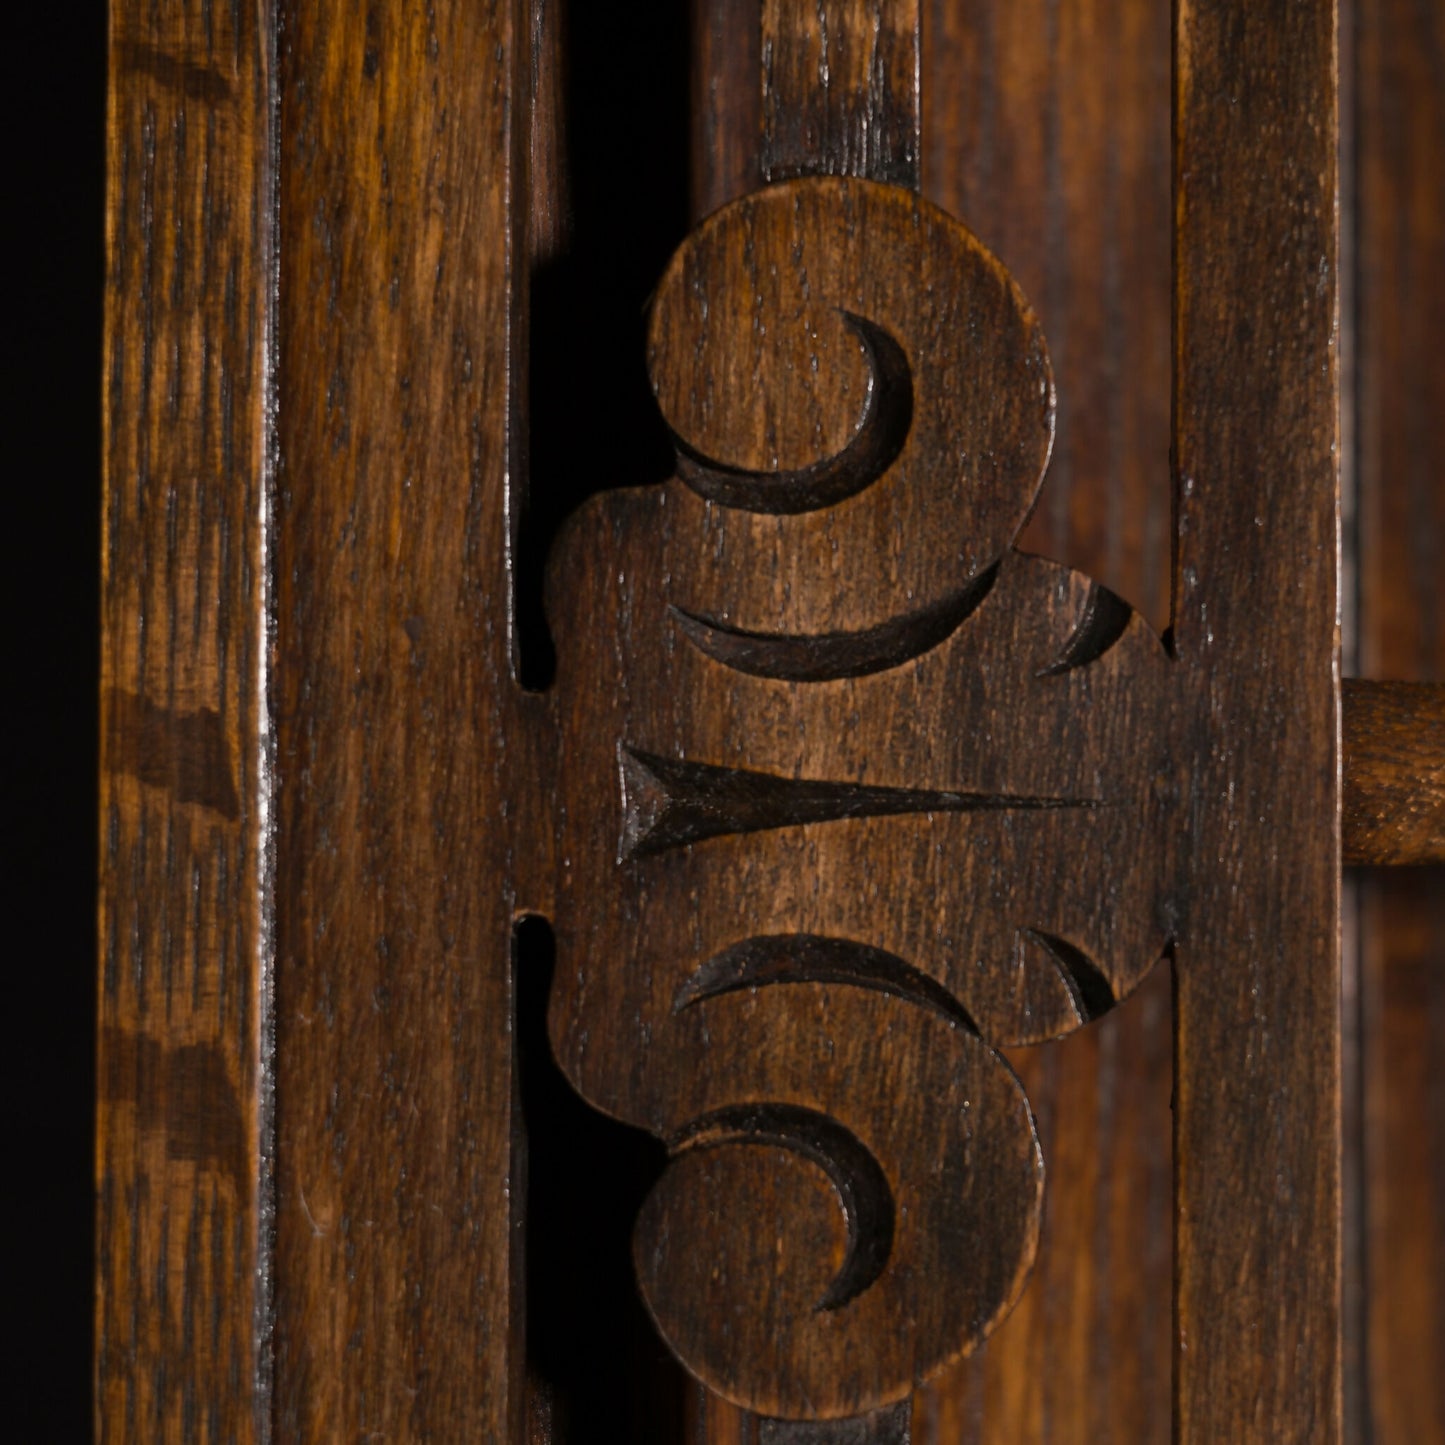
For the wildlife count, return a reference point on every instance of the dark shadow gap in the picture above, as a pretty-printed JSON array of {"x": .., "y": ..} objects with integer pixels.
[
  {"x": 593, "y": 424},
  {"x": 596, "y": 1369}
]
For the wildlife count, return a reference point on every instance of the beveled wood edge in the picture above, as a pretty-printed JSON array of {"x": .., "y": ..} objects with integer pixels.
[{"x": 183, "y": 1096}]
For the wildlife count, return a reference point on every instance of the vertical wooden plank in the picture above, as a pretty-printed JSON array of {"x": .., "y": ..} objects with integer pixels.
[
  {"x": 1400, "y": 228},
  {"x": 184, "y": 763},
  {"x": 726, "y": 159},
  {"x": 1401, "y": 233},
  {"x": 1257, "y": 974},
  {"x": 1352, "y": 1154},
  {"x": 1085, "y": 225},
  {"x": 840, "y": 89},
  {"x": 1402, "y": 928},
  {"x": 1046, "y": 130},
  {"x": 403, "y": 199}
]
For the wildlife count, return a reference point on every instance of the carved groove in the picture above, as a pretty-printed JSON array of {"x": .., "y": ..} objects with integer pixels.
[
  {"x": 814, "y": 958},
  {"x": 1100, "y": 626},
  {"x": 828, "y": 656},
  {"x": 855, "y": 1174},
  {"x": 887, "y": 416},
  {"x": 1091, "y": 991},
  {"x": 671, "y": 802}
]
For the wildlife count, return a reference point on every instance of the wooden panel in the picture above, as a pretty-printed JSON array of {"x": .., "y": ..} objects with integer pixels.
[
  {"x": 1394, "y": 773},
  {"x": 1400, "y": 227},
  {"x": 414, "y": 805},
  {"x": 1257, "y": 974},
  {"x": 403, "y": 197},
  {"x": 1046, "y": 130},
  {"x": 182, "y": 1271}
]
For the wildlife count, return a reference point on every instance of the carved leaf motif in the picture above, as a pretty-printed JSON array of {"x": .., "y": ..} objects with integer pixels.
[{"x": 862, "y": 794}]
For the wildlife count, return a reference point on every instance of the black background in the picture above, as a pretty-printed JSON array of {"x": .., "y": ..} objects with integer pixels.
[{"x": 54, "y": 218}]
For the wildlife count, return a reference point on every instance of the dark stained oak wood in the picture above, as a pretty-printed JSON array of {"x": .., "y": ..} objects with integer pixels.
[
  {"x": 1257, "y": 974},
  {"x": 1046, "y": 131},
  {"x": 671, "y": 802},
  {"x": 838, "y": 792},
  {"x": 1400, "y": 249},
  {"x": 1402, "y": 927},
  {"x": 1394, "y": 772},
  {"x": 399, "y": 1178},
  {"x": 980, "y": 120},
  {"x": 725, "y": 160},
  {"x": 840, "y": 89},
  {"x": 694, "y": 790},
  {"x": 182, "y": 1277},
  {"x": 1078, "y": 205}
]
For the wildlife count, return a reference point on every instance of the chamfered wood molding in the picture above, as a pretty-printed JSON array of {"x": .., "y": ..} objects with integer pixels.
[{"x": 1394, "y": 764}]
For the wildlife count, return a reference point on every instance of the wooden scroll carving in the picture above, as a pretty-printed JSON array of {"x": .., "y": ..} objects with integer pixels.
[{"x": 856, "y": 794}]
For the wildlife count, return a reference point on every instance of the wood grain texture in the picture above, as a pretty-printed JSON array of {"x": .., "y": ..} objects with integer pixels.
[
  {"x": 1046, "y": 131},
  {"x": 1394, "y": 773},
  {"x": 856, "y": 682},
  {"x": 667, "y": 816},
  {"x": 181, "y": 1209},
  {"x": 403, "y": 203},
  {"x": 1045, "y": 128},
  {"x": 731, "y": 94},
  {"x": 1402, "y": 928},
  {"x": 840, "y": 89},
  {"x": 1257, "y": 973},
  {"x": 725, "y": 160},
  {"x": 961, "y": 767},
  {"x": 1400, "y": 248}
]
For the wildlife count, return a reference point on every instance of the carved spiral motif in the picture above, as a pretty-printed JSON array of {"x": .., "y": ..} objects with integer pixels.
[
  {"x": 863, "y": 388},
  {"x": 815, "y": 882}
]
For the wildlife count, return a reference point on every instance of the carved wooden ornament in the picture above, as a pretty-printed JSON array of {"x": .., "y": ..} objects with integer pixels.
[
  {"x": 837, "y": 795},
  {"x": 855, "y": 794}
]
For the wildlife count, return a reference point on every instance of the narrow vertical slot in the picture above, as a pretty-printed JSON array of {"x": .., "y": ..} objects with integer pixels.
[
  {"x": 610, "y": 203},
  {"x": 596, "y": 1369}
]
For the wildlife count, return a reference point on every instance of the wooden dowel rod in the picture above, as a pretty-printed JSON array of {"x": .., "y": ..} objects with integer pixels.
[{"x": 1393, "y": 810}]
